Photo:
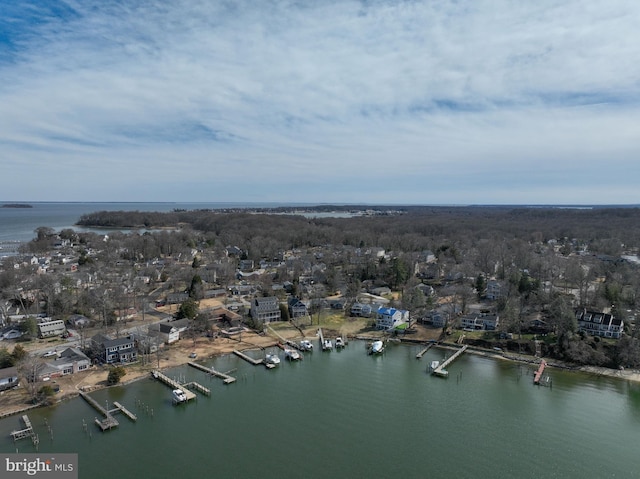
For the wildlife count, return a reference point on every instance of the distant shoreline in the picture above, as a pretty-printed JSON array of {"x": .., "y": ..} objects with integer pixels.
[{"x": 17, "y": 205}]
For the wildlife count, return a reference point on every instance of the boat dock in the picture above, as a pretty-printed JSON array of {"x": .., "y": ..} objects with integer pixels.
[
  {"x": 538, "y": 376},
  {"x": 26, "y": 432},
  {"x": 124, "y": 410},
  {"x": 225, "y": 377},
  {"x": 174, "y": 384},
  {"x": 441, "y": 370},
  {"x": 249, "y": 359},
  {"x": 422, "y": 353},
  {"x": 109, "y": 422},
  {"x": 321, "y": 336}
]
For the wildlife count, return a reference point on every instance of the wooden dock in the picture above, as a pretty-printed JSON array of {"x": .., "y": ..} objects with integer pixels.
[
  {"x": 422, "y": 353},
  {"x": 249, "y": 359},
  {"x": 198, "y": 387},
  {"x": 441, "y": 369},
  {"x": 538, "y": 376},
  {"x": 225, "y": 377},
  {"x": 26, "y": 432},
  {"x": 123, "y": 410},
  {"x": 174, "y": 385},
  {"x": 109, "y": 422}
]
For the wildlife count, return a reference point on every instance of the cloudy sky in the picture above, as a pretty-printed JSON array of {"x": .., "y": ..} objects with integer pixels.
[{"x": 327, "y": 101}]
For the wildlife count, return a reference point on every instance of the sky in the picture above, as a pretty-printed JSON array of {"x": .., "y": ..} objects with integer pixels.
[{"x": 323, "y": 101}]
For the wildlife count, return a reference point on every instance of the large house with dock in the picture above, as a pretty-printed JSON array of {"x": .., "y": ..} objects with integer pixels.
[{"x": 599, "y": 324}]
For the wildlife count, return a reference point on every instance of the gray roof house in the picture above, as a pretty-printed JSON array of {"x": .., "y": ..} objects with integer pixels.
[
  {"x": 121, "y": 350},
  {"x": 265, "y": 309}
]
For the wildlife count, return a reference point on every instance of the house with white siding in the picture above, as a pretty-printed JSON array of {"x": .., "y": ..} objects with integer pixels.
[{"x": 390, "y": 318}]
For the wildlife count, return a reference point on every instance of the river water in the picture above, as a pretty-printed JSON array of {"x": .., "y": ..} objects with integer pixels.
[{"x": 347, "y": 414}]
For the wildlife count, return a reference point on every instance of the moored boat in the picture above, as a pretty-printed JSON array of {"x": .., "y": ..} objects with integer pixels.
[
  {"x": 178, "y": 396},
  {"x": 272, "y": 359},
  {"x": 377, "y": 347},
  {"x": 306, "y": 345},
  {"x": 434, "y": 365},
  {"x": 292, "y": 354},
  {"x": 327, "y": 345},
  {"x": 340, "y": 342}
]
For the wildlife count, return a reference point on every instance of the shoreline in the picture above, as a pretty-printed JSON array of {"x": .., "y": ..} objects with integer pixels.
[{"x": 90, "y": 383}]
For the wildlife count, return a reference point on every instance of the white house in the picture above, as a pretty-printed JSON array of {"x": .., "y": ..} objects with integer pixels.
[
  {"x": 389, "y": 318},
  {"x": 50, "y": 328}
]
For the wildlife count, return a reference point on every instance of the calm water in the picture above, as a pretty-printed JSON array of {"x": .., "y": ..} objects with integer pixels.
[
  {"x": 346, "y": 414},
  {"x": 18, "y": 224}
]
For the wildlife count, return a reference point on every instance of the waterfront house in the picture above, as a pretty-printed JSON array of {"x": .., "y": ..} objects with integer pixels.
[
  {"x": 479, "y": 321},
  {"x": 599, "y": 324},
  {"x": 389, "y": 318},
  {"x": 297, "y": 308},
  {"x": 112, "y": 351},
  {"x": 265, "y": 309},
  {"x": 69, "y": 361}
]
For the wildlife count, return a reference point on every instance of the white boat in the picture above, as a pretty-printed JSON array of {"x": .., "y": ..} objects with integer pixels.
[
  {"x": 179, "y": 396},
  {"x": 377, "y": 347},
  {"x": 306, "y": 345},
  {"x": 434, "y": 365},
  {"x": 327, "y": 345},
  {"x": 272, "y": 359},
  {"x": 340, "y": 342},
  {"x": 291, "y": 354}
]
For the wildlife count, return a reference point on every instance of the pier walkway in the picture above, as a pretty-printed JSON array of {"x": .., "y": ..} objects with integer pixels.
[
  {"x": 225, "y": 377},
  {"x": 441, "y": 369},
  {"x": 538, "y": 376},
  {"x": 422, "y": 353}
]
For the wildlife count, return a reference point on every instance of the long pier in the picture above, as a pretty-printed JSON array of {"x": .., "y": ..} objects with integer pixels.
[
  {"x": 174, "y": 385},
  {"x": 441, "y": 369},
  {"x": 225, "y": 377},
  {"x": 538, "y": 376}
]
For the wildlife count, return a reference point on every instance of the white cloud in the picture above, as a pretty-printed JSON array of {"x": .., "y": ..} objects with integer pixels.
[{"x": 330, "y": 101}]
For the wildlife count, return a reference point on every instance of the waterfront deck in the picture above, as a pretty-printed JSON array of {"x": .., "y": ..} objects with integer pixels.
[
  {"x": 249, "y": 359},
  {"x": 441, "y": 370},
  {"x": 224, "y": 376}
]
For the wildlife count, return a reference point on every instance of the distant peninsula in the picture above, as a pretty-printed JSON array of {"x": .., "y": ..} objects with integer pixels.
[{"x": 17, "y": 205}]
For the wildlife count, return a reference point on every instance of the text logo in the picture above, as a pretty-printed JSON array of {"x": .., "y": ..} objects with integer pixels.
[{"x": 52, "y": 466}]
